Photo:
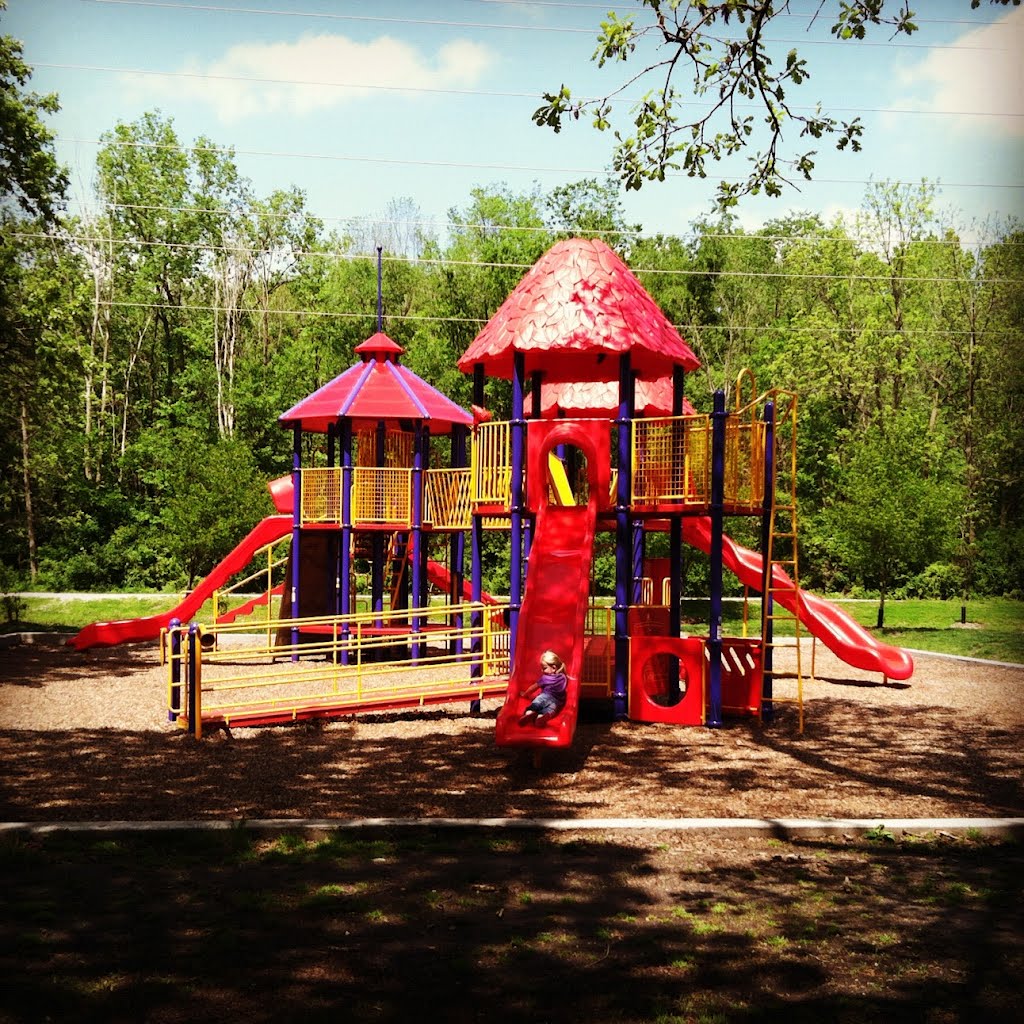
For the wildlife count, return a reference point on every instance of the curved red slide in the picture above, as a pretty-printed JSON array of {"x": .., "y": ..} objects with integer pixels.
[
  {"x": 108, "y": 634},
  {"x": 553, "y": 616},
  {"x": 442, "y": 579},
  {"x": 831, "y": 625}
]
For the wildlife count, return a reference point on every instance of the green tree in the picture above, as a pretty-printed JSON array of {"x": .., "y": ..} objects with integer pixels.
[
  {"x": 591, "y": 209},
  {"x": 724, "y": 49},
  {"x": 895, "y": 513},
  {"x": 32, "y": 180}
]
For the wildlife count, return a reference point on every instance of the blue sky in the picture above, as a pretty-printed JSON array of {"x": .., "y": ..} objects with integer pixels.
[{"x": 360, "y": 103}]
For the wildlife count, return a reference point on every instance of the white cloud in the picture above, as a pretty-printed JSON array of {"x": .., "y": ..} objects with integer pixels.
[
  {"x": 982, "y": 74},
  {"x": 318, "y": 72}
]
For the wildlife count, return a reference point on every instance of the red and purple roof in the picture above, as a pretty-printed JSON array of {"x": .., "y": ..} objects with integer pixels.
[
  {"x": 378, "y": 388},
  {"x": 577, "y": 306}
]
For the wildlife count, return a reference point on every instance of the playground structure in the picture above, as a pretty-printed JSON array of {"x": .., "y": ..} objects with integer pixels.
[{"x": 601, "y": 445}]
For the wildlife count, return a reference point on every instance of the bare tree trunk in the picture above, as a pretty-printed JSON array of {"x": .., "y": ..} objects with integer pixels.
[{"x": 30, "y": 521}]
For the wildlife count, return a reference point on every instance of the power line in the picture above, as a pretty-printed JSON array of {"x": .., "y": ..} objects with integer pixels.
[
  {"x": 483, "y": 93},
  {"x": 371, "y": 315},
  {"x": 574, "y": 5},
  {"x": 586, "y": 171},
  {"x": 506, "y": 27},
  {"x": 359, "y": 220},
  {"x": 486, "y": 265}
]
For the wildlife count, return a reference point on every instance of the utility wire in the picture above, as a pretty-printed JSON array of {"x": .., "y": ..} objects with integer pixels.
[
  {"x": 361, "y": 220},
  {"x": 482, "y": 264},
  {"x": 589, "y": 172},
  {"x": 372, "y": 315},
  {"x": 497, "y": 26},
  {"x": 484, "y": 93}
]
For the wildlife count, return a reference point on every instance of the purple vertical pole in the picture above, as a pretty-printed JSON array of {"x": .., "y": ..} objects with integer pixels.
[
  {"x": 457, "y": 544},
  {"x": 623, "y": 561},
  {"x": 345, "y": 604},
  {"x": 718, "y": 418},
  {"x": 416, "y": 541},
  {"x": 767, "y": 627},
  {"x": 296, "y": 532},
  {"x": 174, "y": 635},
  {"x": 638, "y": 560},
  {"x": 377, "y": 542},
  {"x": 675, "y": 528},
  {"x": 476, "y": 556},
  {"x": 192, "y": 679},
  {"x": 518, "y": 454}
]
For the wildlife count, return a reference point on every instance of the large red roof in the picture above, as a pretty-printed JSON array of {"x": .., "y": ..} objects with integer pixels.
[
  {"x": 375, "y": 389},
  {"x": 576, "y": 306}
]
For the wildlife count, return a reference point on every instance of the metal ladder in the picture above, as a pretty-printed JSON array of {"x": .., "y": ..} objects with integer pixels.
[{"x": 782, "y": 549}]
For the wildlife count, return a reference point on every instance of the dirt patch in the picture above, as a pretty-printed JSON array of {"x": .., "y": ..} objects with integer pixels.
[
  {"x": 85, "y": 736},
  {"x": 482, "y": 924}
]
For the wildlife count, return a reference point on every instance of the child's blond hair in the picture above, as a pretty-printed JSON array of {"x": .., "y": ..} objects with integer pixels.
[{"x": 550, "y": 658}]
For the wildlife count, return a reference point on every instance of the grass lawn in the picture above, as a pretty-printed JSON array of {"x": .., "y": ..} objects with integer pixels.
[
  {"x": 474, "y": 925},
  {"x": 994, "y": 627}
]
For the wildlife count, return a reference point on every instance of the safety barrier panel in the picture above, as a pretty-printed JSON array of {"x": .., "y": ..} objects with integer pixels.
[
  {"x": 653, "y": 679},
  {"x": 342, "y": 665},
  {"x": 447, "y": 504}
]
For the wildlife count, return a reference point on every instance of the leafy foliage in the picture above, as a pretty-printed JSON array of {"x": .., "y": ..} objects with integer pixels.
[
  {"x": 149, "y": 352},
  {"x": 724, "y": 50}
]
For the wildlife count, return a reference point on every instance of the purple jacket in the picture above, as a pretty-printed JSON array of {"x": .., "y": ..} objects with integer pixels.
[{"x": 553, "y": 684}]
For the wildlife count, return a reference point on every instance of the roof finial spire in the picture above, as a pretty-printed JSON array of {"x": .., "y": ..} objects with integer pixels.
[{"x": 380, "y": 293}]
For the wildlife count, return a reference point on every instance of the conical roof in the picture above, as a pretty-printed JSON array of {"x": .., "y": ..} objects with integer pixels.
[
  {"x": 377, "y": 388},
  {"x": 601, "y": 398},
  {"x": 578, "y": 305}
]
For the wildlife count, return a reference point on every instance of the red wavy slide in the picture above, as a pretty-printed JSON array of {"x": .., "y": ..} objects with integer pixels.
[
  {"x": 831, "y": 625},
  {"x": 442, "y": 579},
  {"x": 553, "y": 617},
  {"x": 108, "y": 634}
]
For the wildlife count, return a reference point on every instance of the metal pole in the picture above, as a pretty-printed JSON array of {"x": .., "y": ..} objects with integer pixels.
[
  {"x": 518, "y": 455},
  {"x": 296, "y": 532},
  {"x": 767, "y": 622},
  {"x": 623, "y": 562},
  {"x": 718, "y": 418}
]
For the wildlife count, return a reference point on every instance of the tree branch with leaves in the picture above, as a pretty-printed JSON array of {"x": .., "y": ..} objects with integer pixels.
[{"x": 685, "y": 128}]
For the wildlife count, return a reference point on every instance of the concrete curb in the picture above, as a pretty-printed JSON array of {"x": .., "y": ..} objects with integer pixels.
[{"x": 772, "y": 827}]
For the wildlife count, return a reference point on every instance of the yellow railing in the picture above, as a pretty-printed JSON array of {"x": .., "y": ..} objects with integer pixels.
[
  {"x": 446, "y": 495},
  {"x": 671, "y": 460},
  {"x": 241, "y": 676},
  {"x": 492, "y": 464},
  {"x": 321, "y": 495},
  {"x": 381, "y": 495}
]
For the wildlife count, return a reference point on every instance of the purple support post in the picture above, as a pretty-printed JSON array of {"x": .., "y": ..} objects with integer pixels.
[
  {"x": 518, "y": 456},
  {"x": 638, "y": 560},
  {"x": 767, "y": 628},
  {"x": 345, "y": 572},
  {"x": 476, "y": 556},
  {"x": 192, "y": 677},
  {"x": 416, "y": 540},
  {"x": 623, "y": 561},
  {"x": 296, "y": 532},
  {"x": 377, "y": 543},
  {"x": 174, "y": 635},
  {"x": 718, "y": 418},
  {"x": 457, "y": 543},
  {"x": 675, "y": 529}
]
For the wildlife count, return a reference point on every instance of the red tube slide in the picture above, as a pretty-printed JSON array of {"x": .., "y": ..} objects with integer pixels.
[
  {"x": 831, "y": 625},
  {"x": 126, "y": 631}
]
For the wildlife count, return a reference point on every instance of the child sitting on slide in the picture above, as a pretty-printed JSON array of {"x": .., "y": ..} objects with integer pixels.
[{"x": 549, "y": 689}]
